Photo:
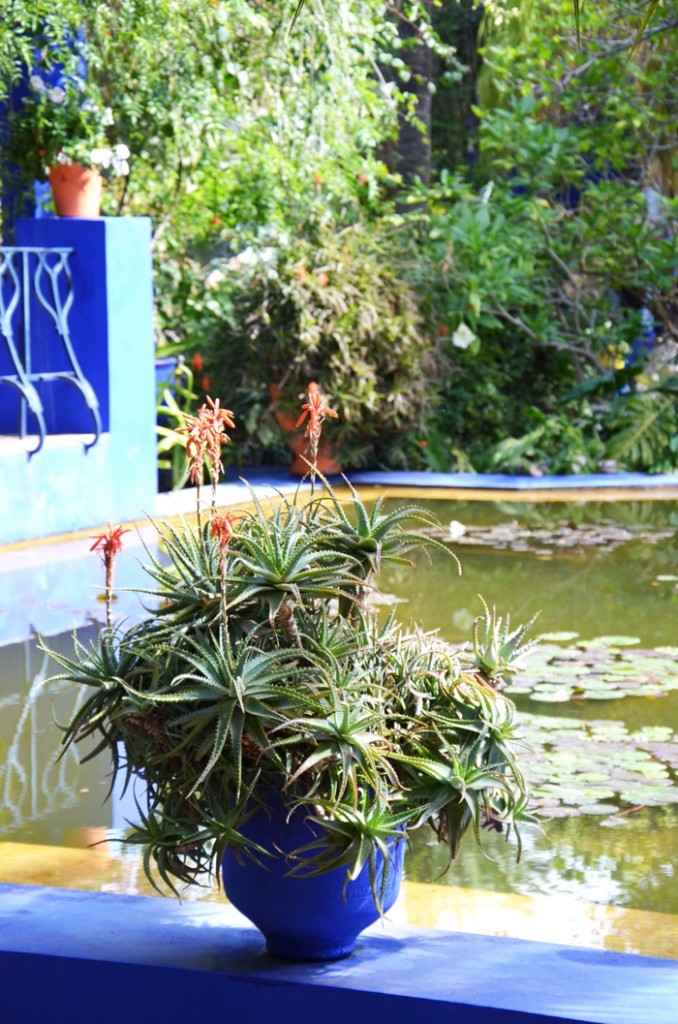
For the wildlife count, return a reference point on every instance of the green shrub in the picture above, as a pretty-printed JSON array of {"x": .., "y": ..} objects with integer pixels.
[{"x": 284, "y": 313}]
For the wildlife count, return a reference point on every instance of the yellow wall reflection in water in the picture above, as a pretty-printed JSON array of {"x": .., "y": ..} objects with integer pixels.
[{"x": 102, "y": 867}]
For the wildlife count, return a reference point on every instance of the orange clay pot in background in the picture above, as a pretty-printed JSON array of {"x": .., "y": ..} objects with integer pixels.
[
  {"x": 76, "y": 190},
  {"x": 327, "y": 461}
]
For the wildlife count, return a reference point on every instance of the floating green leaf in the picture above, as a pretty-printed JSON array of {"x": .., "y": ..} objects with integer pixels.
[
  {"x": 605, "y": 668},
  {"x": 598, "y": 767}
]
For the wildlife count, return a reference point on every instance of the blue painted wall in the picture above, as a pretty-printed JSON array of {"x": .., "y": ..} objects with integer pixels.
[
  {"x": 90, "y": 957},
  {"x": 63, "y": 487}
]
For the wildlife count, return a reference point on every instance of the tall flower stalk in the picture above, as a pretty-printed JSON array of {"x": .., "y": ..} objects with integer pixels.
[
  {"x": 316, "y": 411},
  {"x": 109, "y": 543},
  {"x": 206, "y": 437},
  {"x": 223, "y": 528}
]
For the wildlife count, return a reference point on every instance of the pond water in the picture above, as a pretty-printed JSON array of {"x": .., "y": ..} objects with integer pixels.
[
  {"x": 603, "y": 762},
  {"x": 590, "y": 570}
]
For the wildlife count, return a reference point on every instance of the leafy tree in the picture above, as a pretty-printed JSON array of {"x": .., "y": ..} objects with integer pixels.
[{"x": 557, "y": 252}]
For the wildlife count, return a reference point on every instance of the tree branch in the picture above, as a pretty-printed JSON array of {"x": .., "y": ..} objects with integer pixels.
[{"x": 614, "y": 48}]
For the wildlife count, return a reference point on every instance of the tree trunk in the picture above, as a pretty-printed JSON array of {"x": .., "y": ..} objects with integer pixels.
[{"x": 413, "y": 152}]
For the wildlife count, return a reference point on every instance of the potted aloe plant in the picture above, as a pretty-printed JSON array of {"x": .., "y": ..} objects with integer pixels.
[{"x": 287, "y": 738}]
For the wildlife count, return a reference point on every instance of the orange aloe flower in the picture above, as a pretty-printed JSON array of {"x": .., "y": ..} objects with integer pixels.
[
  {"x": 109, "y": 543},
  {"x": 223, "y": 528},
  {"x": 206, "y": 436},
  {"x": 315, "y": 410}
]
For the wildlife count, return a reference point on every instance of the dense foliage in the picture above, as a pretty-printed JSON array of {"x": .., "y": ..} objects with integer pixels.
[
  {"x": 570, "y": 249},
  {"x": 331, "y": 309},
  {"x": 536, "y": 268}
]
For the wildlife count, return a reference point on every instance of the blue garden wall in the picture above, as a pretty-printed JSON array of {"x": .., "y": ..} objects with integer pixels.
[
  {"x": 83, "y": 957},
  {"x": 66, "y": 486}
]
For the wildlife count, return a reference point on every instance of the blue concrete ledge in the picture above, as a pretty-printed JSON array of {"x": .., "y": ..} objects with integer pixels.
[
  {"x": 274, "y": 475},
  {"x": 83, "y": 957},
  {"x": 506, "y": 482}
]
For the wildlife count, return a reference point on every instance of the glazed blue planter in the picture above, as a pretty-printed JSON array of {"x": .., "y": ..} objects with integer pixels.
[{"x": 303, "y": 918}]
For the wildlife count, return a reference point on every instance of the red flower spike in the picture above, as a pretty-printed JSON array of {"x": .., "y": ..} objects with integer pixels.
[
  {"x": 315, "y": 410},
  {"x": 223, "y": 528},
  {"x": 108, "y": 543},
  {"x": 221, "y": 415}
]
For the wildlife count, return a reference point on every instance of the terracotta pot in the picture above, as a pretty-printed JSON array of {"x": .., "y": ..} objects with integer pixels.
[
  {"x": 327, "y": 462},
  {"x": 76, "y": 190}
]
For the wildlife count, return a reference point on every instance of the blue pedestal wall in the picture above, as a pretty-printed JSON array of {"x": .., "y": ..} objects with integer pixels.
[
  {"x": 65, "y": 487},
  {"x": 83, "y": 957}
]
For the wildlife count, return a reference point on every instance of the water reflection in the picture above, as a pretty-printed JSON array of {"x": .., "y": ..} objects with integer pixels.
[
  {"x": 35, "y": 784},
  {"x": 632, "y": 865},
  {"x": 596, "y": 592},
  {"x": 555, "y": 919},
  {"x": 599, "y": 589}
]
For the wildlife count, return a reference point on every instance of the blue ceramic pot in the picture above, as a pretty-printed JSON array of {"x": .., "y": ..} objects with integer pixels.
[{"x": 303, "y": 918}]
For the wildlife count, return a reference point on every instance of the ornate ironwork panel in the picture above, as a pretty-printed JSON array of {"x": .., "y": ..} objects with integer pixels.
[{"x": 37, "y": 282}]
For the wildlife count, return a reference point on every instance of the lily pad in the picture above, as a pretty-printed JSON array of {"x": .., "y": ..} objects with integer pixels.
[
  {"x": 597, "y": 670},
  {"x": 552, "y": 694},
  {"x": 574, "y": 766},
  {"x": 599, "y": 809}
]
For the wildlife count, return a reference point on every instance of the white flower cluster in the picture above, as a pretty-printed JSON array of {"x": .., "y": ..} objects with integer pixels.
[
  {"x": 259, "y": 259},
  {"x": 501, "y": 12},
  {"x": 114, "y": 159}
]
